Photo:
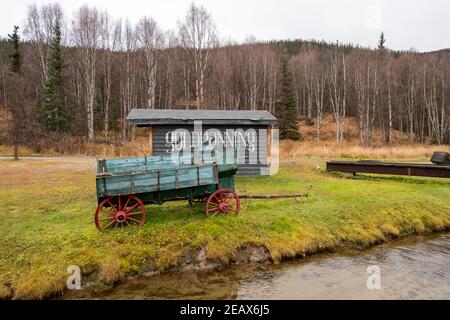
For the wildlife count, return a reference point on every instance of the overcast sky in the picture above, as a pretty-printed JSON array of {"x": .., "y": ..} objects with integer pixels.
[{"x": 420, "y": 24}]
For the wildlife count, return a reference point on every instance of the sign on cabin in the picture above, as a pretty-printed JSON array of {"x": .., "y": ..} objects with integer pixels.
[{"x": 246, "y": 133}]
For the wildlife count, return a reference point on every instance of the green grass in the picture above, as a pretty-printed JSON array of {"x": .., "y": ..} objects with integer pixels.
[{"x": 47, "y": 222}]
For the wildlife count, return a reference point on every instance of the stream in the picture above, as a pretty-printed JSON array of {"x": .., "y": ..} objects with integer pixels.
[{"x": 413, "y": 268}]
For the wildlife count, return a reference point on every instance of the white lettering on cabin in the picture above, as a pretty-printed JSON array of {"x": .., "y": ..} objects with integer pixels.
[
  {"x": 232, "y": 146},
  {"x": 180, "y": 139}
]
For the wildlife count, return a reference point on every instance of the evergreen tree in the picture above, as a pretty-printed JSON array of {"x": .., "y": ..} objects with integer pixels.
[
  {"x": 381, "y": 42},
  {"x": 14, "y": 56},
  {"x": 55, "y": 110},
  {"x": 286, "y": 108},
  {"x": 14, "y": 66}
]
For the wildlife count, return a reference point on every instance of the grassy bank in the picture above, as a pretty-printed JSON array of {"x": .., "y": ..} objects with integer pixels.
[{"x": 47, "y": 222}]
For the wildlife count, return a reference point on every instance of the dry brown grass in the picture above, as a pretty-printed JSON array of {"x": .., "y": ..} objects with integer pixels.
[
  {"x": 110, "y": 271},
  {"x": 41, "y": 284},
  {"x": 81, "y": 147},
  {"x": 307, "y": 147},
  {"x": 5, "y": 293},
  {"x": 328, "y": 149},
  {"x": 350, "y": 147}
]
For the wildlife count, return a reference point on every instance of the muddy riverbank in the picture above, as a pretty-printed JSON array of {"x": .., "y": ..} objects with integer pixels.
[{"x": 412, "y": 268}]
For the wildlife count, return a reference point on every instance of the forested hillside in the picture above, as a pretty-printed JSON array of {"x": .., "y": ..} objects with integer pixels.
[{"x": 80, "y": 75}]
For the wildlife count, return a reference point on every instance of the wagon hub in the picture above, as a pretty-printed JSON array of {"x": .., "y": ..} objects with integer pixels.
[
  {"x": 223, "y": 207},
  {"x": 121, "y": 216}
]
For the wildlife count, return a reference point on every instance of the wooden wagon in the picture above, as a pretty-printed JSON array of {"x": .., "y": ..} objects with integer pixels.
[{"x": 125, "y": 186}]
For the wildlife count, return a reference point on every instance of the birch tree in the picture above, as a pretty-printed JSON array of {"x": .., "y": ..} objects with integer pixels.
[
  {"x": 39, "y": 25},
  {"x": 151, "y": 42},
  {"x": 198, "y": 36},
  {"x": 86, "y": 26},
  {"x": 318, "y": 90},
  {"x": 338, "y": 92},
  {"x": 435, "y": 105},
  {"x": 389, "y": 90},
  {"x": 409, "y": 91},
  {"x": 128, "y": 85},
  {"x": 110, "y": 37}
]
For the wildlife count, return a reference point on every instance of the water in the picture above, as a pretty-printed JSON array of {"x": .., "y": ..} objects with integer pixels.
[{"x": 416, "y": 268}]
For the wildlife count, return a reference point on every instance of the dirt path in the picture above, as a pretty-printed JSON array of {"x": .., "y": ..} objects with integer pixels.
[
  {"x": 88, "y": 158},
  {"x": 38, "y": 158},
  {"x": 42, "y": 165}
]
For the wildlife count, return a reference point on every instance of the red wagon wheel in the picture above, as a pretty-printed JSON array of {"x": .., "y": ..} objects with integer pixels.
[
  {"x": 223, "y": 201},
  {"x": 120, "y": 211}
]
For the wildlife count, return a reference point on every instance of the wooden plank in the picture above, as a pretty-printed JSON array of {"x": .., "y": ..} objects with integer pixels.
[
  {"x": 150, "y": 139},
  {"x": 269, "y": 145}
]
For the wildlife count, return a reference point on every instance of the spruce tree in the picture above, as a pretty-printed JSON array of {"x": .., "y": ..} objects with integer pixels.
[
  {"x": 381, "y": 42},
  {"x": 14, "y": 56},
  {"x": 55, "y": 110},
  {"x": 14, "y": 66},
  {"x": 286, "y": 108}
]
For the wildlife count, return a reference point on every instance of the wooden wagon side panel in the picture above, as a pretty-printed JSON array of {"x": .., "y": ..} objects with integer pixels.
[
  {"x": 159, "y": 180},
  {"x": 146, "y": 164}
]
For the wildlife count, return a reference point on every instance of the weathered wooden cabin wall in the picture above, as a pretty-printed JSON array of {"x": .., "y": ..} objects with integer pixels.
[
  {"x": 251, "y": 128},
  {"x": 250, "y": 164}
]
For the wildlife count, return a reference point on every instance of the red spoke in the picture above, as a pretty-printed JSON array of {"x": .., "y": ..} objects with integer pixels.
[
  {"x": 120, "y": 203},
  {"x": 105, "y": 219},
  {"x": 128, "y": 224},
  {"x": 131, "y": 208},
  {"x": 112, "y": 206},
  {"x": 126, "y": 203},
  {"x": 134, "y": 213},
  {"x": 135, "y": 220},
  {"x": 109, "y": 224},
  {"x": 104, "y": 211},
  {"x": 215, "y": 213},
  {"x": 213, "y": 209}
]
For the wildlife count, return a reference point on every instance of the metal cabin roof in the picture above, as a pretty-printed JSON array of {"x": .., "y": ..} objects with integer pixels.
[{"x": 144, "y": 117}]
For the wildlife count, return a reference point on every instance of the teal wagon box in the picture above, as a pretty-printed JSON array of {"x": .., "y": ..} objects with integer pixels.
[{"x": 125, "y": 186}]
